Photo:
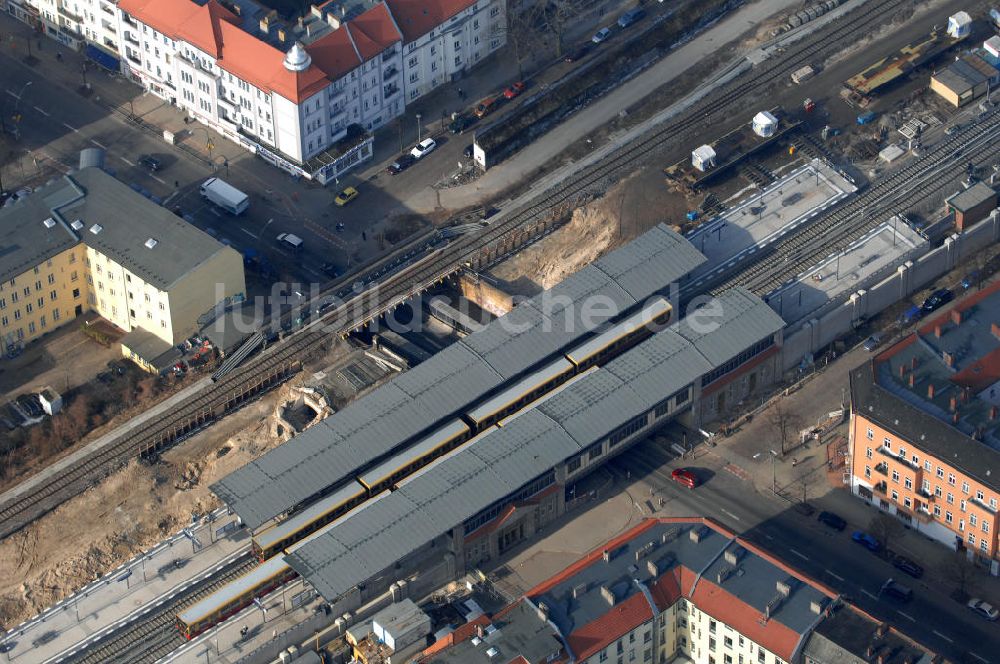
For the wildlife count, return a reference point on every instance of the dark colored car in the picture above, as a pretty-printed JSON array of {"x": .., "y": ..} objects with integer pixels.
[
  {"x": 937, "y": 299},
  {"x": 461, "y": 123},
  {"x": 468, "y": 151},
  {"x": 832, "y": 520},
  {"x": 149, "y": 162},
  {"x": 330, "y": 270},
  {"x": 897, "y": 591},
  {"x": 401, "y": 164},
  {"x": 906, "y": 565},
  {"x": 866, "y": 540},
  {"x": 578, "y": 54}
]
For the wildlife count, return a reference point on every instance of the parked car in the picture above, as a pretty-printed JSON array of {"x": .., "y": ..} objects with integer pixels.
[
  {"x": 911, "y": 315},
  {"x": 469, "y": 150},
  {"x": 401, "y": 164},
  {"x": 601, "y": 35},
  {"x": 330, "y": 270},
  {"x": 971, "y": 279},
  {"x": 866, "y": 540},
  {"x": 983, "y": 608},
  {"x": 513, "y": 90},
  {"x": 872, "y": 342},
  {"x": 423, "y": 148},
  {"x": 578, "y": 54},
  {"x": 346, "y": 196},
  {"x": 832, "y": 520},
  {"x": 630, "y": 17},
  {"x": 937, "y": 299},
  {"x": 150, "y": 163},
  {"x": 461, "y": 123},
  {"x": 906, "y": 565},
  {"x": 684, "y": 477},
  {"x": 896, "y": 590},
  {"x": 487, "y": 106}
]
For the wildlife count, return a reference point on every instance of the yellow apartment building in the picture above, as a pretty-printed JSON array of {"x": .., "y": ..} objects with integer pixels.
[{"x": 87, "y": 242}]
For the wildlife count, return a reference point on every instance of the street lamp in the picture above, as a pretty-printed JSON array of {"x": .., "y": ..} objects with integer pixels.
[
  {"x": 418, "y": 127},
  {"x": 774, "y": 479},
  {"x": 16, "y": 116}
]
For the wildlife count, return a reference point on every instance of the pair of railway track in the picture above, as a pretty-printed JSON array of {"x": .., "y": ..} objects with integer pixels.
[
  {"x": 152, "y": 636},
  {"x": 516, "y": 229}
]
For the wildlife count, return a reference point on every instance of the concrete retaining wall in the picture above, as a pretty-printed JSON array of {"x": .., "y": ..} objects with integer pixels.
[{"x": 909, "y": 277}]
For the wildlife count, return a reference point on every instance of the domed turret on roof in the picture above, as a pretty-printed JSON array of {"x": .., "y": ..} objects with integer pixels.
[{"x": 297, "y": 59}]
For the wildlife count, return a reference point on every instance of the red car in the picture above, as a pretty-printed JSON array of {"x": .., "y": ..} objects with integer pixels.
[
  {"x": 514, "y": 90},
  {"x": 684, "y": 477}
]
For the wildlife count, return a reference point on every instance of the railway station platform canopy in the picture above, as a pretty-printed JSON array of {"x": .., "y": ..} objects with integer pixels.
[
  {"x": 518, "y": 459},
  {"x": 414, "y": 402}
]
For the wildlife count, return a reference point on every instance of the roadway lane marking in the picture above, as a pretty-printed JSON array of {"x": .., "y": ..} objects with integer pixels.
[
  {"x": 794, "y": 552},
  {"x": 103, "y": 147},
  {"x": 157, "y": 179},
  {"x": 869, "y": 594},
  {"x": 126, "y": 161},
  {"x": 248, "y": 233},
  {"x": 943, "y": 636},
  {"x": 71, "y": 127},
  {"x": 41, "y": 111},
  {"x": 907, "y": 616},
  {"x": 730, "y": 514},
  {"x": 981, "y": 659},
  {"x": 838, "y": 578}
]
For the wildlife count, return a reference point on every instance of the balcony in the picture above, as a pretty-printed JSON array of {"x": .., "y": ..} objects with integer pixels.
[
  {"x": 880, "y": 487},
  {"x": 389, "y": 91},
  {"x": 129, "y": 21},
  {"x": 923, "y": 493},
  {"x": 107, "y": 10},
  {"x": 389, "y": 55},
  {"x": 76, "y": 18},
  {"x": 130, "y": 39},
  {"x": 882, "y": 468},
  {"x": 979, "y": 503},
  {"x": 389, "y": 73}
]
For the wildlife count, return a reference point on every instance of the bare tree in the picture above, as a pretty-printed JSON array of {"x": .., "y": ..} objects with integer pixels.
[
  {"x": 886, "y": 529},
  {"x": 785, "y": 424},
  {"x": 557, "y": 15},
  {"x": 958, "y": 571},
  {"x": 519, "y": 30}
]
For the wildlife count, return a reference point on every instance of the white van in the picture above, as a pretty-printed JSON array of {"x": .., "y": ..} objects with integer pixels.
[{"x": 292, "y": 241}]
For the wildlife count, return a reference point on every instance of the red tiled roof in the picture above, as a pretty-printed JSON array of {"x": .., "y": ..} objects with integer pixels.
[
  {"x": 460, "y": 633},
  {"x": 373, "y": 31},
  {"x": 669, "y": 587},
  {"x": 334, "y": 54},
  {"x": 416, "y": 18},
  {"x": 729, "y": 609},
  {"x": 215, "y": 30},
  {"x": 620, "y": 619}
]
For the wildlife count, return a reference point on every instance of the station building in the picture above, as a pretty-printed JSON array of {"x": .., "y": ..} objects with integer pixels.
[
  {"x": 497, "y": 489},
  {"x": 924, "y": 442},
  {"x": 87, "y": 242},
  {"x": 677, "y": 589},
  {"x": 302, "y": 96}
]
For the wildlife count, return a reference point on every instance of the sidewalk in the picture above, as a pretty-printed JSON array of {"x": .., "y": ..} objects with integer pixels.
[
  {"x": 133, "y": 587},
  {"x": 809, "y": 476}
]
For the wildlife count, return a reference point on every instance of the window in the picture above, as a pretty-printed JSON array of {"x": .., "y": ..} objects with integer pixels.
[
  {"x": 940, "y": 472},
  {"x": 3, "y": 303},
  {"x": 908, "y": 483},
  {"x": 895, "y": 495},
  {"x": 28, "y": 308},
  {"x": 927, "y": 466},
  {"x": 972, "y": 520},
  {"x": 41, "y": 302},
  {"x": 52, "y": 295},
  {"x": 985, "y": 527},
  {"x": 868, "y": 472},
  {"x": 76, "y": 292},
  {"x": 925, "y": 486},
  {"x": 979, "y": 494},
  {"x": 55, "y": 315},
  {"x": 895, "y": 476},
  {"x": 27, "y": 291},
  {"x": 948, "y": 517},
  {"x": 52, "y": 279},
  {"x": 906, "y": 501},
  {"x": 887, "y": 442},
  {"x": 871, "y": 435},
  {"x": 961, "y": 505},
  {"x": 41, "y": 322},
  {"x": 711, "y": 643},
  {"x": 937, "y": 491},
  {"x": 4, "y": 321},
  {"x": 31, "y": 327},
  {"x": 161, "y": 306},
  {"x": 965, "y": 488},
  {"x": 951, "y": 499},
  {"x": 937, "y": 511},
  {"x": 951, "y": 479},
  {"x": 73, "y": 276},
  {"x": 983, "y": 546},
  {"x": 494, "y": 11},
  {"x": 604, "y": 656},
  {"x": 727, "y": 641},
  {"x": 711, "y": 627},
  {"x": 971, "y": 539},
  {"x": 868, "y": 453},
  {"x": 14, "y": 297}
]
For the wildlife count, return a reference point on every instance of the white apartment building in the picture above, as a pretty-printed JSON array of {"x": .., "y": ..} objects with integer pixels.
[{"x": 288, "y": 95}]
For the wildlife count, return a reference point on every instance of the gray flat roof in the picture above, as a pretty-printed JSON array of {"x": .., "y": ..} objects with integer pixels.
[
  {"x": 454, "y": 379},
  {"x": 494, "y": 465},
  {"x": 125, "y": 221},
  {"x": 519, "y": 631},
  {"x": 969, "y": 198}
]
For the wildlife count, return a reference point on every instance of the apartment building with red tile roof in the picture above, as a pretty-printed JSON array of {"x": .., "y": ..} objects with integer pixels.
[
  {"x": 302, "y": 96},
  {"x": 925, "y": 427},
  {"x": 679, "y": 587}
]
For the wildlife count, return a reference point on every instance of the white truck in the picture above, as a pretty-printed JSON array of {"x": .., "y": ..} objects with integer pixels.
[{"x": 225, "y": 196}]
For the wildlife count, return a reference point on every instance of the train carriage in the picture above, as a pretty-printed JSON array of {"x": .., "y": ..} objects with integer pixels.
[
  {"x": 388, "y": 472},
  {"x": 520, "y": 394},
  {"x": 622, "y": 335}
]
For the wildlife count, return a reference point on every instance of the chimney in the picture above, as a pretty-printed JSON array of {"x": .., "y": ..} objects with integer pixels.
[
  {"x": 913, "y": 363},
  {"x": 652, "y": 568},
  {"x": 606, "y": 555},
  {"x": 543, "y": 613},
  {"x": 869, "y": 651},
  {"x": 954, "y": 417},
  {"x": 880, "y": 659},
  {"x": 930, "y": 390},
  {"x": 949, "y": 359},
  {"x": 479, "y": 628},
  {"x": 608, "y": 595},
  {"x": 902, "y": 370},
  {"x": 937, "y": 331},
  {"x": 579, "y": 590},
  {"x": 913, "y": 379},
  {"x": 956, "y": 316},
  {"x": 952, "y": 404},
  {"x": 881, "y": 630},
  {"x": 993, "y": 412},
  {"x": 965, "y": 394}
]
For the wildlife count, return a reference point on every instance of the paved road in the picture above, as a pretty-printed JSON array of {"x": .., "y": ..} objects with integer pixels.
[{"x": 829, "y": 556}]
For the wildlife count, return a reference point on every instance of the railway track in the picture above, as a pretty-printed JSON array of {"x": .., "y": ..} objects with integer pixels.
[
  {"x": 390, "y": 288},
  {"x": 151, "y": 636},
  {"x": 917, "y": 182}
]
